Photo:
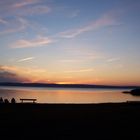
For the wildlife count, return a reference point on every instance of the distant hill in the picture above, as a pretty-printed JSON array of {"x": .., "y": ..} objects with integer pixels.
[{"x": 62, "y": 85}]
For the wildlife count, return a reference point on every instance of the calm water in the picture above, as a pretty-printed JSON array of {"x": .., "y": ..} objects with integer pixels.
[{"x": 65, "y": 95}]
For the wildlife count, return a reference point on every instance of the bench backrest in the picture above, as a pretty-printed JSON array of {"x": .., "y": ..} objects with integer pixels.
[{"x": 28, "y": 99}]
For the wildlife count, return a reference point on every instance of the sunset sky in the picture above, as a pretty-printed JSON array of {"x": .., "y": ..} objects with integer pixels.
[{"x": 70, "y": 41}]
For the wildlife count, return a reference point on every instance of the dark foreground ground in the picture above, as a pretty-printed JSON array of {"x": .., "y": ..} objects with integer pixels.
[{"x": 68, "y": 121}]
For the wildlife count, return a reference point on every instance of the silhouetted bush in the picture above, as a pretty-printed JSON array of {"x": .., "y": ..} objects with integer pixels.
[
  {"x": 1, "y": 100},
  {"x": 13, "y": 101},
  {"x": 6, "y": 101}
]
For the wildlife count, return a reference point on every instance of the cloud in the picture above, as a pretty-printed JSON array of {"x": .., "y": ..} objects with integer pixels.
[
  {"x": 30, "y": 7},
  {"x": 22, "y": 74},
  {"x": 16, "y": 8},
  {"x": 24, "y": 3},
  {"x": 34, "y": 10},
  {"x": 70, "y": 60},
  {"x": 26, "y": 59},
  {"x": 39, "y": 10},
  {"x": 74, "y": 14},
  {"x": 82, "y": 70},
  {"x": 2, "y": 21},
  {"x": 38, "y": 42},
  {"x": 15, "y": 25},
  {"x": 23, "y": 70},
  {"x": 113, "y": 59},
  {"x": 20, "y": 24},
  {"x": 8, "y": 76},
  {"x": 105, "y": 21}
]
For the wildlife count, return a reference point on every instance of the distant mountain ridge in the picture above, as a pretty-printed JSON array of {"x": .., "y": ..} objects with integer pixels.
[{"x": 62, "y": 85}]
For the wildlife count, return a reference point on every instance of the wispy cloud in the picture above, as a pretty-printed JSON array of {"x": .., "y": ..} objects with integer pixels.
[
  {"x": 3, "y": 21},
  {"x": 69, "y": 60},
  {"x": 104, "y": 21},
  {"x": 20, "y": 24},
  {"x": 22, "y": 74},
  {"x": 24, "y": 3},
  {"x": 7, "y": 75},
  {"x": 38, "y": 42},
  {"x": 23, "y": 8},
  {"x": 34, "y": 10},
  {"x": 74, "y": 14},
  {"x": 81, "y": 54},
  {"x": 81, "y": 70},
  {"x": 16, "y": 25},
  {"x": 30, "y": 7},
  {"x": 113, "y": 59},
  {"x": 23, "y": 70},
  {"x": 26, "y": 59},
  {"x": 14, "y": 16}
]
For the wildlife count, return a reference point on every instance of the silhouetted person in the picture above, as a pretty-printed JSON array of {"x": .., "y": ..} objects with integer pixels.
[
  {"x": 13, "y": 101},
  {"x": 1, "y": 100},
  {"x": 6, "y": 101}
]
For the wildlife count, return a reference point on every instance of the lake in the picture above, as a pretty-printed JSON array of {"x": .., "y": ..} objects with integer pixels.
[{"x": 67, "y": 95}]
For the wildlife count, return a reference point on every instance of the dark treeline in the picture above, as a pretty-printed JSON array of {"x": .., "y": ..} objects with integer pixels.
[{"x": 63, "y": 85}]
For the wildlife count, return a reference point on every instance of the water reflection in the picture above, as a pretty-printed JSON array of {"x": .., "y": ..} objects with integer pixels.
[{"x": 63, "y": 95}]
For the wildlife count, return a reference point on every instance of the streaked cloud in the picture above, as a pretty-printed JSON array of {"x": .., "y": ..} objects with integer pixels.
[
  {"x": 81, "y": 70},
  {"x": 26, "y": 59},
  {"x": 113, "y": 59},
  {"x": 82, "y": 53},
  {"x": 20, "y": 24},
  {"x": 13, "y": 26},
  {"x": 23, "y": 8},
  {"x": 74, "y": 14},
  {"x": 35, "y": 10},
  {"x": 30, "y": 7},
  {"x": 24, "y": 74},
  {"x": 23, "y": 70},
  {"x": 69, "y": 60},
  {"x": 2, "y": 21},
  {"x": 38, "y": 42},
  {"x": 105, "y": 21},
  {"x": 21, "y": 4},
  {"x": 10, "y": 76},
  {"x": 18, "y": 69}
]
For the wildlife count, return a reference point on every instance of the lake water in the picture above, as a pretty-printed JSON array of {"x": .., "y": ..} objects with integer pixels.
[{"x": 67, "y": 95}]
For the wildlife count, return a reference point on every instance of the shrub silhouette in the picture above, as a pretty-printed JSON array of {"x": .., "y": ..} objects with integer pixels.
[
  {"x": 13, "y": 101},
  {"x": 6, "y": 101},
  {"x": 1, "y": 100}
]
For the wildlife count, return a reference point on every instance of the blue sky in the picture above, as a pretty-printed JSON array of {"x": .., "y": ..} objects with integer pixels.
[{"x": 77, "y": 41}]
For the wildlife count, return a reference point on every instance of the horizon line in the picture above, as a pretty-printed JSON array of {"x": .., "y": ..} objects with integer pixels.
[{"x": 39, "y": 83}]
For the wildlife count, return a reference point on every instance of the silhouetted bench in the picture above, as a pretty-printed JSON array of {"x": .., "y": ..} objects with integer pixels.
[{"x": 28, "y": 100}]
